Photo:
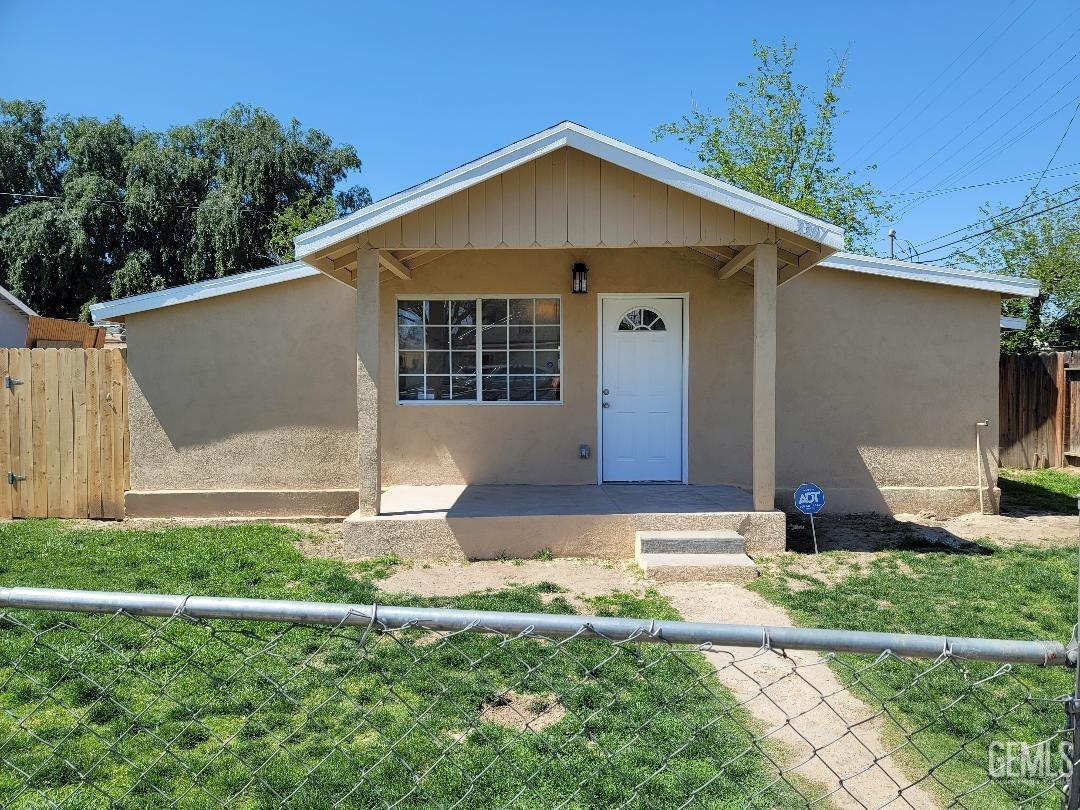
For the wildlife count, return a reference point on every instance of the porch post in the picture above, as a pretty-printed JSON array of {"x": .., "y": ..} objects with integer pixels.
[
  {"x": 764, "y": 395},
  {"x": 367, "y": 378}
]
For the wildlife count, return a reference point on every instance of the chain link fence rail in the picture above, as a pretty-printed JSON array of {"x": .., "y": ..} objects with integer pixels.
[{"x": 141, "y": 700}]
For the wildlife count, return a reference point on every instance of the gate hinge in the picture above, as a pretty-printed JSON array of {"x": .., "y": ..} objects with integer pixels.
[
  {"x": 12, "y": 478},
  {"x": 11, "y": 382}
]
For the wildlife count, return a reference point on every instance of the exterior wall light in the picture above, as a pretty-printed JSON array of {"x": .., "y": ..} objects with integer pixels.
[{"x": 579, "y": 278}]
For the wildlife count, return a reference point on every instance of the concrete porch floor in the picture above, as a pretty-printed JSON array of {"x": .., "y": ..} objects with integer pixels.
[{"x": 483, "y": 522}]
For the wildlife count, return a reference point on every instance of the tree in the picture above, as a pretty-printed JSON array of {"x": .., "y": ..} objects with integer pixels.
[
  {"x": 101, "y": 209},
  {"x": 1045, "y": 247},
  {"x": 773, "y": 141}
]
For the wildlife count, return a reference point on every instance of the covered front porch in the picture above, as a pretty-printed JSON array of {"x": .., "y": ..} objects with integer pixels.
[
  {"x": 450, "y": 464},
  {"x": 489, "y": 521}
]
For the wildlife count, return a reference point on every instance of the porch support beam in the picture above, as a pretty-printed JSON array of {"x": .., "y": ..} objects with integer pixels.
[
  {"x": 394, "y": 266},
  {"x": 742, "y": 258},
  {"x": 764, "y": 385},
  {"x": 367, "y": 380}
]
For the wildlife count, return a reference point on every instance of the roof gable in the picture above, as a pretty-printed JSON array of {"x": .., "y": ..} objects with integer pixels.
[{"x": 586, "y": 141}]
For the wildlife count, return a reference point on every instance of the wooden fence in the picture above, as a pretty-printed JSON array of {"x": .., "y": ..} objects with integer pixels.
[
  {"x": 1039, "y": 410},
  {"x": 63, "y": 433}
]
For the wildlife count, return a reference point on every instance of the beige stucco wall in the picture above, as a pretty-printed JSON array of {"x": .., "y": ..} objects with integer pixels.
[
  {"x": 880, "y": 382},
  {"x": 249, "y": 391}
]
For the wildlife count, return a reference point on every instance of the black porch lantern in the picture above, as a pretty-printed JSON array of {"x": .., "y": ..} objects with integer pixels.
[{"x": 579, "y": 278}]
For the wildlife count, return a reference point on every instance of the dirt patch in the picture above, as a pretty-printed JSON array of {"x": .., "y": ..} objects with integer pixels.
[
  {"x": 524, "y": 712},
  {"x": 926, "y": 532},
  {"x": 579, "y": 579},
  {"x": 833, "y": 735}
]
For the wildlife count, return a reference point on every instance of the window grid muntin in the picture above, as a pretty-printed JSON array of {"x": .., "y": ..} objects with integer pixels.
[{"x": 546, "y": 353}]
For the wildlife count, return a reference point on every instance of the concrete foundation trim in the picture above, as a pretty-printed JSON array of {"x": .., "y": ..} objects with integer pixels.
[
  {"x": 253, "y": 503},
  {"x": 608, "y": 536},
  {"x": 939, "y": 501}
]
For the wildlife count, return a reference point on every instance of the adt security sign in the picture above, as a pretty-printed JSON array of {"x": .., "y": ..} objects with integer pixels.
[{"x": 809, "y": 499}]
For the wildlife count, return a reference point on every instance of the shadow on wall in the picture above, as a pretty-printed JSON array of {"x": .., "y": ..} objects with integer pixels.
[{"x": 250, "y": 362}]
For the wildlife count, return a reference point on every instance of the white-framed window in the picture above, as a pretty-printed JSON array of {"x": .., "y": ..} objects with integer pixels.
[{"x": 480, "y": 349}]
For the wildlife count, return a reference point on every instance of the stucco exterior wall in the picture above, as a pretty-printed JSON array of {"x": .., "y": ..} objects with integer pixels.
[
  {"x": 879, "y": 382},
  {"x": 254, "y": 391},
  {"x": 879, "y": 385}
]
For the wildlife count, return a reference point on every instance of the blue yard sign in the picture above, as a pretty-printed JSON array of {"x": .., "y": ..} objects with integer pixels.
[{"x": 809, "y": 499}]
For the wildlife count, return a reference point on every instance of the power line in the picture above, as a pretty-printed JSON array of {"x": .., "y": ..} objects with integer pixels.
[
  {"x": 912, "y": 118},
  {"x": 104, "y": 201},
  {"x": 1016, "y": 178},
  {"x": 925, "y": 89},
  {"x": 998, "y": 227}
]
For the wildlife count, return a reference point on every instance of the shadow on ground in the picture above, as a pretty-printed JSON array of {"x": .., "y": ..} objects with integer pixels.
[
  {"x": 871, "y": 532},
  {"x": 1024, "y": 499}
]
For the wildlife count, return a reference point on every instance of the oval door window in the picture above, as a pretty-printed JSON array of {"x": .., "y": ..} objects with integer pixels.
[{"x": 642, "y": 319}]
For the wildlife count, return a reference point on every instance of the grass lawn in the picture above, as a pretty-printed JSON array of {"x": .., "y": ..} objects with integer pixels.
[
  {"x": 1045, "y": 491},
  {"x": 1022, "y": 592},
  {"x": 204, "y": 714}
]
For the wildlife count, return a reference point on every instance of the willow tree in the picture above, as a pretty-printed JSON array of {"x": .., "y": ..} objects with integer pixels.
[{"x": 95, "y": 209}]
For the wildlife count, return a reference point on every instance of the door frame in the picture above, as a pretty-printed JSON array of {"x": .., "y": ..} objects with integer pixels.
[{"x": 685, "y": 298}]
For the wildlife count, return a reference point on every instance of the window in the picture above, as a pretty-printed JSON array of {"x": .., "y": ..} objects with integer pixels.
[
  {"x": 642, "y": 320},
  {"x": 480, "y": 350}
]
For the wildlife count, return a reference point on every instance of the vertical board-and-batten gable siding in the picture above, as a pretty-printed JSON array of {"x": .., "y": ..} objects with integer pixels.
[{"x": 567, "y": 198}]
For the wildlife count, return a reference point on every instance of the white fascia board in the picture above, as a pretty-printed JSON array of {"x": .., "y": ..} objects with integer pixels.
[
  {"x": 584, "y": 140},
  {"x": 212, "y": 288},
  {"x": 1008, "y": 323},
  {"x": 1010, "y": 286},
  {"x": 15, "y": 302}
]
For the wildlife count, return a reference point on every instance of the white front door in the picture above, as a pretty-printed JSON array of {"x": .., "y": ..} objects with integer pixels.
[{"x": 641, "y": 389}]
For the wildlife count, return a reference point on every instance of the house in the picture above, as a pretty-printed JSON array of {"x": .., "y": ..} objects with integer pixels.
[
  {"x": 500, "y": 358},
  {"x": 14, "y": 315}
]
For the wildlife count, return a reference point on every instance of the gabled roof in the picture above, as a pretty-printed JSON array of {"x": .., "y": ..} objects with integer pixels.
[
  {"x": 948, "y": 276},
  {"x": 11, "y": 300},
  {"x": 585, "y": 140}
]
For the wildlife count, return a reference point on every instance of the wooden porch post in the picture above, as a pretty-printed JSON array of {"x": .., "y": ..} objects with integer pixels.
[
  {"x": 764, "y": 395},
  {"x": 367, "y": 378}
]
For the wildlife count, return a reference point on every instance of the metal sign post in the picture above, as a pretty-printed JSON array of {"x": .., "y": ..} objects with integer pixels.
[{"x": 809, "y": 499}]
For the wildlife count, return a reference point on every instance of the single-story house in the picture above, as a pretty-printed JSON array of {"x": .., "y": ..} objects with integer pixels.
[
  {"x": 556, "y": 345},
  {"x": 14, "y": 316}
]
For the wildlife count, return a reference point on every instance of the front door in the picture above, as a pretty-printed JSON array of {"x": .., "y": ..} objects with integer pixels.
[{"x": 641, "y": 389}]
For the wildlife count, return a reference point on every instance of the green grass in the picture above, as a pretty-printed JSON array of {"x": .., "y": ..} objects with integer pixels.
[
  {"x": 136, "y": 707},
  {"x": 1021, "y": 592},
  {"x": 1045, "y": 491}
]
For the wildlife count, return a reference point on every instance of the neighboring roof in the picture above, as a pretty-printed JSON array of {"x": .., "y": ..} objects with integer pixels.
[
  {"x": 1008, "y": 323},
  {"x": 109, "y": 310},
  {"x": 1009, "y": 286},
  {"x": 584, "y": 140},
  {"x": 950, "y": 276},
  {"x": 10, "y": 299}
]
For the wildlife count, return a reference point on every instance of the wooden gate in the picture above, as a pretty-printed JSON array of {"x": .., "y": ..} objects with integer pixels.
[{"x": 63, "y": 433}]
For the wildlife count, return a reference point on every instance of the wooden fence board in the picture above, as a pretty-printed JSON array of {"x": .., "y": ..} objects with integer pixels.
[
  {"x": 1038, "y": 411},
  {"x": 63, "y": 427}
]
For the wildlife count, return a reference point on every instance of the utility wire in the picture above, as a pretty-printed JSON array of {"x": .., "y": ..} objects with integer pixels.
[
  {"x": 888, "y": 125},
  {"x": 105, "y": 201},
  {"x": 1017, "y": 178},
  {"x": 998, "y": 227}
]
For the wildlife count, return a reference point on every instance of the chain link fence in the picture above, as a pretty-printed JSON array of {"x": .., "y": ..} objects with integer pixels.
[{"x": 135, "y": 700}]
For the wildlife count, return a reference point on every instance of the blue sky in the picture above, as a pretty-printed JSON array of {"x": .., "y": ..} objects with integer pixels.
[{"x": 939, "y": 95}]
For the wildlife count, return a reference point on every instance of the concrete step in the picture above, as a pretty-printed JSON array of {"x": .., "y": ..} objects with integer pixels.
[
  {"x": 682, "y": 567},
  {"x": 721, "y": 541}
]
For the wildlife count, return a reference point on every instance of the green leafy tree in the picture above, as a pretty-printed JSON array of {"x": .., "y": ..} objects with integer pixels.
[
  {"x": 1045, "y": 247},
  {"x": 98, "y": 209},
  {"x": 774, "y": 141}
]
